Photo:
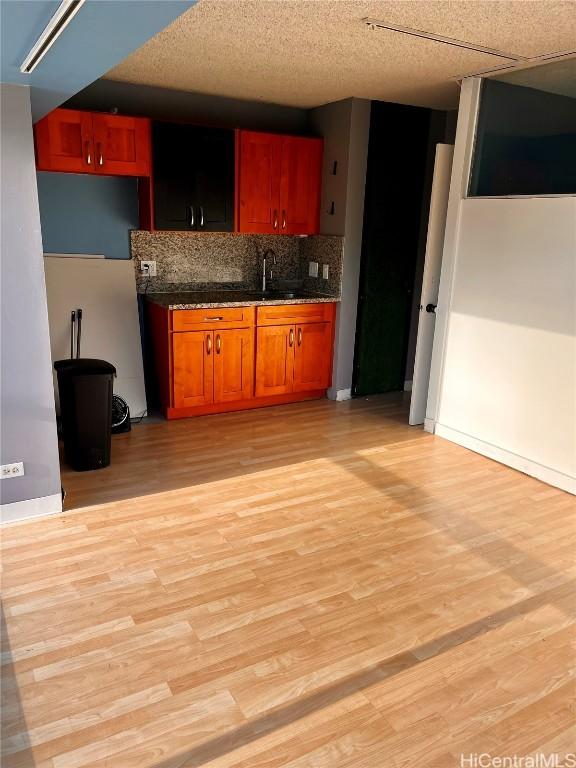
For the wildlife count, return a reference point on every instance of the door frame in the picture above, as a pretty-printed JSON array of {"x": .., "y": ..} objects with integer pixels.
[{"x": 461, "y": 164}]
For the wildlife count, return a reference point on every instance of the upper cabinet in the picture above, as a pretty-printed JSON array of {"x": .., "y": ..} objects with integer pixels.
[
  {"x": 193, "y": 177},
  {"x": 278, "y": 183},
  {"x": 90, "y": 142}
]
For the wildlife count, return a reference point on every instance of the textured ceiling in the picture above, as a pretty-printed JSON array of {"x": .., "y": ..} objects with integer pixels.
[{"x": 305, "y": 53}]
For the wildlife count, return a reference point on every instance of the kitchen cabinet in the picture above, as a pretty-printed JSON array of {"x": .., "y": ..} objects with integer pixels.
[
  {"x": 293, "y": 358},
  {"x": 64, "y": 142},
  {"x": 73, "y": 141},
  {"x": 213, "y": 366},
  {"x": 121, "y": 145},
  {"x": 193, "y": 177},
  {"x": 274, "y": 360},
  {"x": 232, "y": 358},
  {"x": 278, "y": 183},
  {"x": 233, "y": 365},
  {"x": 193, "y": 368}
]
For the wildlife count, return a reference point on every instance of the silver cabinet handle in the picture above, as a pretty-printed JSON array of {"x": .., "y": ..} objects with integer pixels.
[
  {"x": 209, "y": 344},
  {"x": 218, "y": 344},
  {"x": 191, "y": 215},
  {"x": 275, "y": 224},
  {"x": 100, "y": 154},
  {"x": 213, "y": 318},
  {"x": 88, "y": 153},
  {"x": 291, "y": 337},
  {"x": 283, "y": 219},
  {"x": 201, "y": 216},
  {"x": 299, "y": 337}
]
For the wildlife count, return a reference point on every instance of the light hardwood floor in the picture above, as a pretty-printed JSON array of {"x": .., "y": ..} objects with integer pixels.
[{"x": 315, "y": 585}]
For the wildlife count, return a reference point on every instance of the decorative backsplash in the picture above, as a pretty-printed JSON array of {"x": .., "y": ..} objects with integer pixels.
[{"x": 197, "y": 260}]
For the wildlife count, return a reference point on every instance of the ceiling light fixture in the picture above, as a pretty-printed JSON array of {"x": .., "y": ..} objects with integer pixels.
[
  {"x": 375, "y": 24},
  {"x": 57, "y": 24}
]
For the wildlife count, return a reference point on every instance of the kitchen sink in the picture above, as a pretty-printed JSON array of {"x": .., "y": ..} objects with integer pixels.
[{"x": 274, "y": 294}]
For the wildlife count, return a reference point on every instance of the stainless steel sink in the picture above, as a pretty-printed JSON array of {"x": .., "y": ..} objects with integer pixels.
[{"x": 274, "y": 294}]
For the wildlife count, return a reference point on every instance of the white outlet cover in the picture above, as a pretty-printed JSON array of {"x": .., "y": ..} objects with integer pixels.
[
  {"x": 12, "y": 470},
  {"x": 312, "y": 269},
  {"x": 148, "y": 268},
  {"x": 325, "y": 271}
]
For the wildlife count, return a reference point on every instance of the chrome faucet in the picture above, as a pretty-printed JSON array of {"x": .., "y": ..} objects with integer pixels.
[{"x": 267, "y": 253}]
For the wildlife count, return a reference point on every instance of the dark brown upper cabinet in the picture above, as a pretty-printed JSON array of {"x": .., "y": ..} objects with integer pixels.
[{"x": 193, "y": 173}]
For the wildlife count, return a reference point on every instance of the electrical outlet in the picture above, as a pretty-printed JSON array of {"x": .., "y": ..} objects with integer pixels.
[
  {"x": 325, "y": 271},
  {"x": 148, "y": 268},
  {"x": 312, "y": 269},
  {"x": 12, "y": 470}
]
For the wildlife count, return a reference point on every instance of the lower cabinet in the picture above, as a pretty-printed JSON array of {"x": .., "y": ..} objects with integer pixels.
[
  {"x": 212, "y": 367},
  {"x": 204, "y": 363},
  {"x": 274, "y": 360},
  {"x": 193, "y": 369},
  {"x": 293, "y": 358}
]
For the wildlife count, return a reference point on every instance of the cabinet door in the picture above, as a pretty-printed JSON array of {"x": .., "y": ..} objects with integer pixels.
[
  {"x": 173, "y": 180},
  {"x": 193, "y": 368},
  {"x": 121, "y": 145},
  {"x": 312, "y": 357},
  {"x": 213, "y": 179},
  {"x": 275, "y": 360},
  {"x": 64, "y": 142},
  {"x": 259, "y": 182},
  {"x": 300, "y": 183},
  {"x": 233, "y": 365}
]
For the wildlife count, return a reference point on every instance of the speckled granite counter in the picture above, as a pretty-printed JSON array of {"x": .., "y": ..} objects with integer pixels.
[{"x": 214, "y": 299}]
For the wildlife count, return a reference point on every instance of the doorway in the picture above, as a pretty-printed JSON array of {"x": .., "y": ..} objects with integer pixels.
[{"x": 401, "y": 152}]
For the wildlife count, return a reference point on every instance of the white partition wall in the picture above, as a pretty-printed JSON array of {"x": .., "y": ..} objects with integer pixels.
[{"x": 505, "y": 356}]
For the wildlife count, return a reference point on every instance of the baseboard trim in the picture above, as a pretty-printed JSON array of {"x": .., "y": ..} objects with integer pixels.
[
  {"x": 18, "y": 511},
  {"x": 520, "y": 463},
  {"x": 339, "y": 394},
  {"x": 429, "y": 425},
  {"x": 408, "y": 386}
]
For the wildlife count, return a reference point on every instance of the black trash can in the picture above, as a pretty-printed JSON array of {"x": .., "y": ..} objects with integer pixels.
[{"x": 85, "y": 389}]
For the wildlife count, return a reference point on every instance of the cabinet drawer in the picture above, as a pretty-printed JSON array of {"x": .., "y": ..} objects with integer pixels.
[
  {"x": 287, "y": 314},
  {"x": 197, "y": 319}
]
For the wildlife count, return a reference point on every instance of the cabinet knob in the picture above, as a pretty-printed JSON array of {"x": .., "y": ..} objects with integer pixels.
[
  {"x": 218, "y": 344},
  {"x": 291, "y": 337},
  {"x": 283, "y": 219},
  {"x": 275, "y": 222},
  {"x": 209, "y": 344},
  {"x": 299, "y": 337}
]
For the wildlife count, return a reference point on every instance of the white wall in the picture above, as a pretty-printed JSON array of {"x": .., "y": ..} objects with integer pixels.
[
  {"x": 28, "y": 419},
  {"x": 345, "y": 126},
  {"x": 506, "y": 343}
]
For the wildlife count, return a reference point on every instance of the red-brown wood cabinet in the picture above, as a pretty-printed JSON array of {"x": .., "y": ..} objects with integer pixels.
[
  {"x": 211, "y": 361},
  {"x": 278, "y": 183},
  {"x": 73, "y": 141}
]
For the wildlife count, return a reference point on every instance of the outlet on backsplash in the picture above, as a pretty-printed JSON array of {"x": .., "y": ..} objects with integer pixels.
[
  {"x": 325, "y": 271},
  {"x": 148, "y": 268},
  {"x": 312, "y": 269}
]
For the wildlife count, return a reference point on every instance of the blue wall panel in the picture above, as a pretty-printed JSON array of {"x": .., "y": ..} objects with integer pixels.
[{"x": 87, "y": 214}]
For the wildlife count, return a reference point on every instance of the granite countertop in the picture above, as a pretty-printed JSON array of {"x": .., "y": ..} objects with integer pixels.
[{"x": 235, "y": 298}]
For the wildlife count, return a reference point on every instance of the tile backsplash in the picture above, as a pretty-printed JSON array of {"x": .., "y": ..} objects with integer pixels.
[{"x": 225, "y": 260}]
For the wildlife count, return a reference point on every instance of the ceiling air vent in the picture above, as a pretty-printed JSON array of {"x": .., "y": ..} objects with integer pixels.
[
  {"x": 376, "y": 24},
  {"x": 57, "y": 24}
]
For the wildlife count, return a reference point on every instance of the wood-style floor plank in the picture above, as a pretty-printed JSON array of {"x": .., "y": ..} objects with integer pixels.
[{"x": 309, "y": 586}]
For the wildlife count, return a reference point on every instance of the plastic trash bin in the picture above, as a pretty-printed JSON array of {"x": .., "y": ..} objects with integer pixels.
[{"x": 85, "y": 390}]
